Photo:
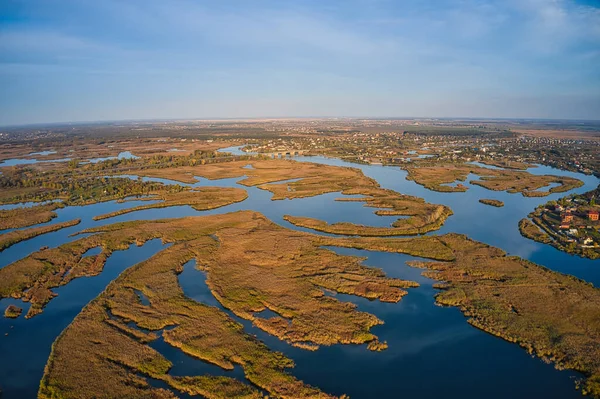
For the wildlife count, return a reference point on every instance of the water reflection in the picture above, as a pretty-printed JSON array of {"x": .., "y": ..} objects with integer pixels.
[
  {"x": 432, "y": 350},
  {"x": 25, "y": 344}
]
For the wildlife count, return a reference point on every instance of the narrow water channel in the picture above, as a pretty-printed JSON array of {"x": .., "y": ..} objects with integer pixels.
[
  {"x": 432, "y": 351},
  {"x": 25, "y": 344}
]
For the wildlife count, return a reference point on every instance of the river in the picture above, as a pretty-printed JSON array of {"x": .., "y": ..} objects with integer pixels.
[{"x": 432, "y": 351}]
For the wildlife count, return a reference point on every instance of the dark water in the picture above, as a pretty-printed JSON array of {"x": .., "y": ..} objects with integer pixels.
[
  {"x": 432, "y": 351},
  {"x": 30, "y": 161},
  {"x": 26, "y": 347}
]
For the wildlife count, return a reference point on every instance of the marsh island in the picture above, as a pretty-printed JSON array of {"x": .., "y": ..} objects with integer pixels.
[{"x": 257, "y": 261}]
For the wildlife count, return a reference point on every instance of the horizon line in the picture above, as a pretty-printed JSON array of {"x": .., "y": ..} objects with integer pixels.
[{"x": 256, "y": 118}]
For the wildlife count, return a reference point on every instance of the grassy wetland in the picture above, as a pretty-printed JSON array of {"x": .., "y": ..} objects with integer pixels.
[
  {"x": 520, "y": 302},
  {"x": 530, "y": 230},
  {"x": 439, "y": 177},
  {"x": 256, "y": 266},
  {"x": 344, "y": 228},
  {"x": 289, "y": 285},
  {"x": 200, "y": 199},
  {"x": 551, "y": 315},
  {"x": 492, "y": 202},
  {"x": 28, "y": 216},
  {"x": 12, "y": 312},
  {"x": 251, "y": 265},
  {"x": 16, "y": 236},
  {"x": 289, "y": 180},
  {"x": 123, "y": 360}
]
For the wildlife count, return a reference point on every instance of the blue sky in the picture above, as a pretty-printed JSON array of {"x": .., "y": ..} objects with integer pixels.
[{"x": 81, "y": 60}]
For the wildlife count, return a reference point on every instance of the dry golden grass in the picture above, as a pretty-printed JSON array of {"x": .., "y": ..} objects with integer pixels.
[
  {"x": 492, "y": 202},
  {"x": 201, "y": 199},
  {"x": 86, "y": 148},
  {"x": 344, "y": 228},
  {"x": 121, "y": 360},
  {"x": 16, "y": 236},
  {"x": 258, "y": 265},
  {"x": 425, "y": 247},
  {"x": 268, "y": 267},
  {"x": 12, "y": 312},
  {"x": 527, "y": 184},
  {"x": 529, "y": 230},
  {"x": 507, "y": 164},
  {"x": 316, "y": 179},
  {"x": 377, "y": 346},
  {"x": 552, "y": 315},
  {"x": 251, "y": 265},
  {"x": 435, "y": 178},
  {"x": 24, "y": 217}
]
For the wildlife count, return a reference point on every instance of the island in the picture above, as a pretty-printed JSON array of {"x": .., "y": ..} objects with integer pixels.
[
  {"x": 570, "y": 224},
  {"x": 12, "y": 312},
  {"x": 296, "y": 245},
  {"x": 492, "y": 202}
]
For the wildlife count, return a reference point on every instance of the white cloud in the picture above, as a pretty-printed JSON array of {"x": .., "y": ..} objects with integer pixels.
[{"x": 557, "y": 25}]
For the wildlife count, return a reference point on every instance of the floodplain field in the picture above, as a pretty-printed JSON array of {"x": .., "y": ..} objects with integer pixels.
[
  {"x": 288, "y": 179},
  {"x": 253, "y": 265},
  {"x": 439, "y": 178},
  {"x": 492, "y": 202},
  {"x": 28, "y": 216},
  {"x": 16, "y": 236}
]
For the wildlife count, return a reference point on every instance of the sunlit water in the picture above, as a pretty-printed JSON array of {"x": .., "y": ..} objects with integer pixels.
[
  {"x": 432, "y": 351},
  {"x": 30, "y": 161}
]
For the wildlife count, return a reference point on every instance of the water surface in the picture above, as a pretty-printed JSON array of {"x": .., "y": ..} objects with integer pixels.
[{"x": 432, "y": 351}]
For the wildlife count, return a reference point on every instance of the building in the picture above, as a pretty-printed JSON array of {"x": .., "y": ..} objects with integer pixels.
[
  {"x": 593, "y": 215},
  {"x": 567, "y": 217},
  {"x": 573, "y": 232}
]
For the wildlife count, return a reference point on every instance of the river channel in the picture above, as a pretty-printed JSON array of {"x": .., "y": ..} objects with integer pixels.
[{"x": 432, "y": 352}]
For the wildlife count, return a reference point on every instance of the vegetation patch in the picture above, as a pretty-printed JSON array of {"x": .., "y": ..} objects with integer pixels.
[
  {"x": 256, "y": 266},
  {"x": 345, "y": 228},
  {"x": 311, "y": 179},
  {"x": 16, "y": 236},
  {"x": 529, "y": 230},
  {"x": 492, "y": 202},
  {"x": 425, "y": 247},
  {"x": 22, "y": 185},
  {"x": 437, "y": 177},
  {"x": 28, "y": 216},
  {"x": 552, "y": 315},
  {"x": 507, "y": 164},
  {"x": 527, "y": 184},
  {"x": 201, "y": 199},
  {"x": 12, "y": 312},
  {"x": 252, "y": 265},
  {"x": 123, "y": 362}
]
